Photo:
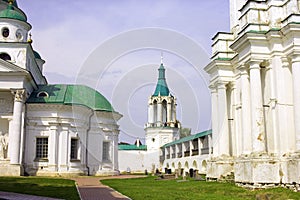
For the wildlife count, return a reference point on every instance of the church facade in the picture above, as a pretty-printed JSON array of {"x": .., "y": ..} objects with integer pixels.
[
  {"x": 48, "y": 129},
  {"x": 255, "y": 77}
]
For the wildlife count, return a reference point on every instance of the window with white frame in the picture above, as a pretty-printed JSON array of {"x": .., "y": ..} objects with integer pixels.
[
  {"x": 42, "y": 148},
  {"x": 105, "y": 153},
  {"x": 74, "y": 149}
]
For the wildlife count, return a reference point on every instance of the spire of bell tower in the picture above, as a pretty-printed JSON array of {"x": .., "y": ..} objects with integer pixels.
[{"x": 161, "y": 86}]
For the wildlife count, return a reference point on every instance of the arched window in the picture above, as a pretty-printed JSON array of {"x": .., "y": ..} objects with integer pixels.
[
  {"x": 155, "y": 111},
  {"x": 164, "y": 111},
  {"x": 42, "y": 94},
  {"x": 5, "y": 56}
]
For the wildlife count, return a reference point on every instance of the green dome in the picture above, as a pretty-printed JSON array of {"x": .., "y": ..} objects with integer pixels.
[
  {"x": 70, "y": 95},
  {"x": 37, "y": 55},
  {"x": 11, "y": 13}
]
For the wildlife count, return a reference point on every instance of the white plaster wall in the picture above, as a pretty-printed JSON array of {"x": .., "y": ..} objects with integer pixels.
[
  {"x": 132, "y": 159},
  {"x": 139, "y": 161},
  {"x": 59, "y": 123}
]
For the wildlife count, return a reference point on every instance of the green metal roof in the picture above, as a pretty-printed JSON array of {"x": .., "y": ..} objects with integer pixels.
[
  {"x": 37, "y": 55},
  {"x": 11, "y": 13},
  {"x": 188, "y": 138},
  {"x": 130, "y": 147},
  {"x": 161, "y": 86},
  {"x": 70, "y": 95}
]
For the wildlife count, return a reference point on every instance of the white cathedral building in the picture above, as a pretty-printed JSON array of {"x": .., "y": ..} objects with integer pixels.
[
  {"x": 255, "y": 78},
  {"x": 48, "y": 129}
]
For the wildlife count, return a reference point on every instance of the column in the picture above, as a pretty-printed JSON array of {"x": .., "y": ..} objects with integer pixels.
[
  {"x": 215, "y": 119},
  {"x": 296, "y": 92},
  {"x": 246, "y": 113},
  {"x": 159, "y": 112},
  {"x": 257, "y": 117},
  {"x": 169, "y": 112},
  {"x": 223, "y": 139},
  {"x": 15, "y": 133},
  {"x": 174, "y": 110},
  {"x": 150, "y": 113}
]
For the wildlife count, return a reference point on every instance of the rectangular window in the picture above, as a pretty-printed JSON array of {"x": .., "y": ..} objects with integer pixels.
[
  {"x": 42, "y": 148},
  {"x": 105, "y": 154},
  {"x": 74, "y": 149}
]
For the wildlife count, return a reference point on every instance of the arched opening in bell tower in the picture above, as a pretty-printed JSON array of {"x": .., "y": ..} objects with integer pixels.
[{"x": 164, "y": 112}]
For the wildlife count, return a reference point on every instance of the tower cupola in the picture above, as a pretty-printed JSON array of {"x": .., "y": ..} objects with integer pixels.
[
  {"x": 161, "y": 86},
  {"x": 13, "y": 23}
]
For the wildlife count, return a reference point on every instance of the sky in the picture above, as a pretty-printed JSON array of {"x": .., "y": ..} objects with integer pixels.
[{"x": 115, "y": 46}]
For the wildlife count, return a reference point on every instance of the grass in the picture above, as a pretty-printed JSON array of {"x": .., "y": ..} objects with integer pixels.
[
  {"x": 151, "y": 189},
  {"x": 48, "y": 187}
]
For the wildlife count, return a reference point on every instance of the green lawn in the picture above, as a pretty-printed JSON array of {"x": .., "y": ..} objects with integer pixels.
[
  {"x": 151, "y": 189},
  {"x": 49, "y": 187}
]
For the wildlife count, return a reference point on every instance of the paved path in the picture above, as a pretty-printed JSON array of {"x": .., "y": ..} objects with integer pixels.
[{"x": 89, "y": 188}]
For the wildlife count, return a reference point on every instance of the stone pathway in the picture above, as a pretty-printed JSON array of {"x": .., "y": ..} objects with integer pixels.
[{"x": 89, "y": 188}]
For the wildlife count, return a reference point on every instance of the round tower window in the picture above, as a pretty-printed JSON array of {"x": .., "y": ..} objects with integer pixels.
[
  {"x": 5, "y": 32},
  {"x": 19, "y": 35}
]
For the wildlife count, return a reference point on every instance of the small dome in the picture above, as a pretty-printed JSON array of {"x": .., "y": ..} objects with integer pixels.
[
  {"x": 37, "y": 55},
  {"x": 71, "y": 95},
  {"x": 11, "y": 13}
]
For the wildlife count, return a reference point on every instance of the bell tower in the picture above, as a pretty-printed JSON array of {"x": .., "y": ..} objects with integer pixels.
[{"x": 162, "y": 126}]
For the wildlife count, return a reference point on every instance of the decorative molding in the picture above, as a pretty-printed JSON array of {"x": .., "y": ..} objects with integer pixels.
[{"x": 20, "y": 94}]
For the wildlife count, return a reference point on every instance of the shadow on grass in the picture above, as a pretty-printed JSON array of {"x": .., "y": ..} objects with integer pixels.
[{"x": 48, "y": 187}]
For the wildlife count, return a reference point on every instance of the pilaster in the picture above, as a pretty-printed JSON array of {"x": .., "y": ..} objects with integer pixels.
[
  {"x": 296, "y": 94},
  {"x": 246, "y": 113},
  {"x": 215, "y": 118},
  {"x": 223, "y": 139},
  {"x": 257, "y": 123}
]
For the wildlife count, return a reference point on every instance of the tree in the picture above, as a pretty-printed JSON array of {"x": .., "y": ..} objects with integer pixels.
[{"x": 185, "y": 132}]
